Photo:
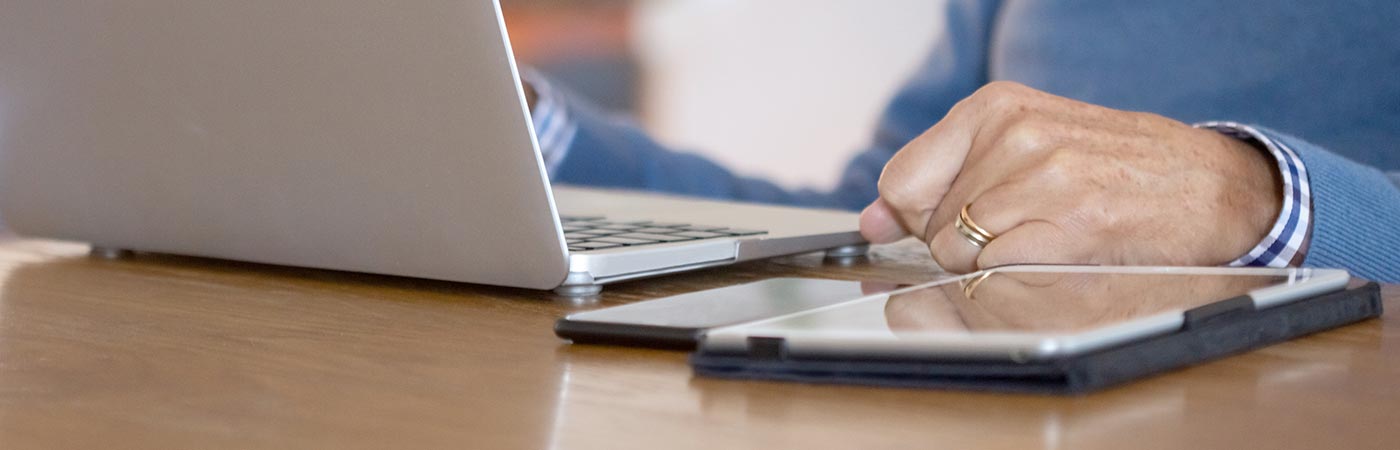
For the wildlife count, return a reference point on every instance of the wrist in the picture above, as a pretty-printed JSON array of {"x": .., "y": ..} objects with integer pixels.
[
  {"x": 1290, "y": 202},
  {"x": 1258, "y": 178}
]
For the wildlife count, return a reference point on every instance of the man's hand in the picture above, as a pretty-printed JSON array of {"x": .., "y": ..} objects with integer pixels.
[{"x": 1061, "y": 181}]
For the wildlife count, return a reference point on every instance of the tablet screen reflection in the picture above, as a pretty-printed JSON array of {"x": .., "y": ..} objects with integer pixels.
[{"x": 1039, "y": 302}]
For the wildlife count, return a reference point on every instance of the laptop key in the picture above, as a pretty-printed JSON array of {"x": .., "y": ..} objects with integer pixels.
[
  {"x": 623, "y": 241},
  {"x": 667, "y": 225},
  {"x": 653, "y": 237}
]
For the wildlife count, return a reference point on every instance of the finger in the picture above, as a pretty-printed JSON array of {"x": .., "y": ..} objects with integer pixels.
[
  {"x": 996, "y": 210},
  {"x": 952, "y": 251},
  {"x": 1036, "y": 220},
  {"x": 981, "y": 302},
  {"x": 924, "y": 310},
  {"x": 879, "y": 225},
  {"x": 1011, "y": 287},
  {"x": 994, "y": 160},
  {"x": 876, "y": 287},
  {"x": 1038, "y": 242},
  {"x": 919, "y": 177},
  {"x": 1006, "y": 302},
  {"x": 915, "y": 180}
]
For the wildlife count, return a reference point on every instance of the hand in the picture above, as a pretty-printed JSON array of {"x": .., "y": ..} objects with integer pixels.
[{"x": 1061, "y": 181}]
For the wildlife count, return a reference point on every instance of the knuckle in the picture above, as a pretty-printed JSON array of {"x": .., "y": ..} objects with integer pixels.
[
  {"x": 963, "y": 106},
  {"x": 901, "y": 185},
  {"x": 906, "y": 202},
  {"x": 1001, "y": 94},
  {"x": 1002, "y": 87},
  {"x": 1058, "y": 168},
  {"x": 1024, "y": 134},
  {"x": 1062, "y": 157},
  {"x": 894, "y": 191},
  {"x": 892, "y": 175}
]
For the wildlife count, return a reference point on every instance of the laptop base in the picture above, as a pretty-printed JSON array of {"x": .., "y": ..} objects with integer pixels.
[
  {"x": 579, "y": 285},
  {"x": 583, "y": 285}
]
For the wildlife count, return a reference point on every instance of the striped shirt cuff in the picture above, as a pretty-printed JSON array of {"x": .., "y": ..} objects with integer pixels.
[
  {"x": 1290, "y": 230},
  {"x": 554, "y": 129}
]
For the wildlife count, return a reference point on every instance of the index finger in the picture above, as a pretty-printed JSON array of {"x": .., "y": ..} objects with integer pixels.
[{"x": 920, "y": 174}]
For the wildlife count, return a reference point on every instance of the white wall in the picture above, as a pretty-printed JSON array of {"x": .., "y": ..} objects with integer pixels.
[{"x": 785, "y": 89}]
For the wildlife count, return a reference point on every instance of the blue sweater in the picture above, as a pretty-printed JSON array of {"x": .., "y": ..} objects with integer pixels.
[{"x": 1326, "y": 77}]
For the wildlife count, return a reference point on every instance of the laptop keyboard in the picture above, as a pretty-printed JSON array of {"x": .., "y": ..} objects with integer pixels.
[{"x": 584, "y": 233}]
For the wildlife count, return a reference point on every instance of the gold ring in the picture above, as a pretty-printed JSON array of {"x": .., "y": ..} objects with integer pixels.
[
  {"x": 974, "y": 234},
  {"x": 970, "y": 284}
]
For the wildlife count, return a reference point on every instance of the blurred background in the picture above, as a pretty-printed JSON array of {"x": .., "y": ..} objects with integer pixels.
[{"x": 784, "y": 89}]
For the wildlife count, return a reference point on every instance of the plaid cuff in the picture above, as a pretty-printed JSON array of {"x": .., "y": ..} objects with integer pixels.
[
  {"x": 554, "y": 129},
  {"x": 1290, "y": 230}
]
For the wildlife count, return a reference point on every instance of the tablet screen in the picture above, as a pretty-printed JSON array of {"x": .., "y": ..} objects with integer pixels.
[{"x": 1042, "y": 303}]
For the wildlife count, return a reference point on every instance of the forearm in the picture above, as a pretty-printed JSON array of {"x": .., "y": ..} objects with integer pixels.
[
  {"x": 616, "y": 153},
  {"x": 613, "y": 152}
]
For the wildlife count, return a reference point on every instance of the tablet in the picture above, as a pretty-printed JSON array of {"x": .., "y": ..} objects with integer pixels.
[
  {"x": 678, "y": 321},
  {"x": 1021, "y": 313}
]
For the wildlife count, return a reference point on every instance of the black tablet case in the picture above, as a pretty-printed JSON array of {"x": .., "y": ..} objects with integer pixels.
[
  {"x": 1209, "y": 332},
  {"x": 666, "y": 338}
]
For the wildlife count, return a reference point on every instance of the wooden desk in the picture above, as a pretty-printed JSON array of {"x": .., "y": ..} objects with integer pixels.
[{"x": 171, "y": 352}]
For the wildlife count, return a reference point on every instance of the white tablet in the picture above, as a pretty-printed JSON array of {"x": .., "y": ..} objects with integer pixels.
[{"x": 1024, "y": 313}]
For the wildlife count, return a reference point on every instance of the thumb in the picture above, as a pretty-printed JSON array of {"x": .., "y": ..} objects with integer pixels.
[{"x": 879, "y": 225}]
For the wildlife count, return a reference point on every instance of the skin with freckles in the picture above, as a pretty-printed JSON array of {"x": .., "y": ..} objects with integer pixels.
[{"x": 1062, "y": 181}]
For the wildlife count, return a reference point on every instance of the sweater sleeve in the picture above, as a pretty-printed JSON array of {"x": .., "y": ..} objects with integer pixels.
[
  {"x": 1355, "y": 213},
  {"x": 614, "y": 152}
]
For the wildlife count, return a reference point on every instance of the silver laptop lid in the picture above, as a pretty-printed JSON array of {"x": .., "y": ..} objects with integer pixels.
[{"x": 383, "y": 137}]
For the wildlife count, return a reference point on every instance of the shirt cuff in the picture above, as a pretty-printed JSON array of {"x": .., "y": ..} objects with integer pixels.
[
  {"x": 554, "y": 129},
  {"x": 1290, "y": 231}
]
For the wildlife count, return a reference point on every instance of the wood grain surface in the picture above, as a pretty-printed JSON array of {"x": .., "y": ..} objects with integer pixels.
[{"x": 161, "y": 351}]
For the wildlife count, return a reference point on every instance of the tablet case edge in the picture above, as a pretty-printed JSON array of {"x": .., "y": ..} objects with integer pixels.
[{"x": 1206, "y": 335}]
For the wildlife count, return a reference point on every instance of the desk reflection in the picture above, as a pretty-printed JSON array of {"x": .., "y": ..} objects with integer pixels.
[
  {"x": 1033, "y": 302},
  {"x": 164, "y": 351},
  {"x": 1278, "y": 397}
]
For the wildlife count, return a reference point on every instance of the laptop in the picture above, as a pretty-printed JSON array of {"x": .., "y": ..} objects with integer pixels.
[{"x": 380, "y": 137}]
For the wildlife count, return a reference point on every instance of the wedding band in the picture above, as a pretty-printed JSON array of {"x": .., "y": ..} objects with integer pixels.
[
  {"x": 970, "y": 285},
  {"x": 974, "y": 234}
]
